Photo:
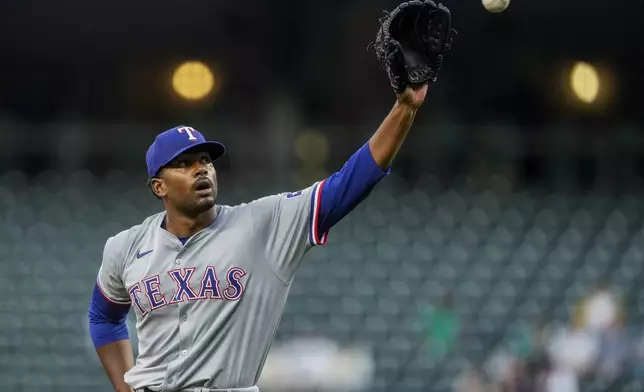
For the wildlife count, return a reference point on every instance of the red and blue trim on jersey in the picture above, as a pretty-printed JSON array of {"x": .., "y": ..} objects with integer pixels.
[
  {"x": 314, "y": 234},
  {"x": 100, "y": 289}
]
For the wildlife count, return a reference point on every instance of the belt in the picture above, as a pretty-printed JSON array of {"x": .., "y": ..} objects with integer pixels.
[{"x": 249, "y": 389}]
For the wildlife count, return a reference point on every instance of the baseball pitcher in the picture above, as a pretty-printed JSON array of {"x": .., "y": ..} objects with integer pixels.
[{"x": 208, "y": 282}]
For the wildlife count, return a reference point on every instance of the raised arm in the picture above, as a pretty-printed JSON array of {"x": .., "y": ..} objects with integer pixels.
[
  {"x": 292, "y": 223},
  {"x": 345, "y": 189},
  {"x": 385, "y": 143}
]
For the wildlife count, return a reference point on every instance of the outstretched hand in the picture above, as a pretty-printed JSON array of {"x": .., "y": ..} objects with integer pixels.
[{"x": 413, "y": 96}]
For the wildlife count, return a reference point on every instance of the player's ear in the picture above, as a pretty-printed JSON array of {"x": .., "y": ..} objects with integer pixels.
[{"x": 157, "y": 186}]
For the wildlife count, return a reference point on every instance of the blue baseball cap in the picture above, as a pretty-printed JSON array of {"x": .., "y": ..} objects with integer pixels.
[{"x": 173, "y": 142}]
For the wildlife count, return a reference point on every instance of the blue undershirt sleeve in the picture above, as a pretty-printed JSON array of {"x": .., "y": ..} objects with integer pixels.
[
  {"x": 346, "y": 189},
  {"x": 106, "y": 319}
]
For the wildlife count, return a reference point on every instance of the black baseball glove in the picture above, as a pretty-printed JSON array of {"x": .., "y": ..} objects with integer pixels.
[{"x": 411, "y": 42}]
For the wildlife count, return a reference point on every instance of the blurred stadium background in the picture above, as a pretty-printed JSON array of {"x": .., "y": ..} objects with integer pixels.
[{"x": 504, "y": 253}]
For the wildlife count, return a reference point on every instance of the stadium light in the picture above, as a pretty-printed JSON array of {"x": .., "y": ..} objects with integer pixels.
[
  {"x": 312, "y": 147},
  {"x": 585, "y": 82},
  {"x": 193, "y": 80}
]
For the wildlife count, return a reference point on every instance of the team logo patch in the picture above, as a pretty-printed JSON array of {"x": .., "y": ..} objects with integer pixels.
[{"x": 291, "y": 195}]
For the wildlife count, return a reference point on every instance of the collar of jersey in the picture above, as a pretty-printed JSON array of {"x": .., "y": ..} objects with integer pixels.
[{"x": 161, "y": 218}]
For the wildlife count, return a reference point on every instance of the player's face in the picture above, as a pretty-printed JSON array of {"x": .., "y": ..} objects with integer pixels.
[{"x": 189, "y": 183}]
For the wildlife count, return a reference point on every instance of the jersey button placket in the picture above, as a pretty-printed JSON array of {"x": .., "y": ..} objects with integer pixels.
[
  {"x": 184, "y": 333},
  {"x": 183, "y": 330},
  {"x": 175, "y": 367}
]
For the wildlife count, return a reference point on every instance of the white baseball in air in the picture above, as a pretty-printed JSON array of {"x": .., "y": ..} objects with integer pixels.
[{"x": 496, "y": 6}]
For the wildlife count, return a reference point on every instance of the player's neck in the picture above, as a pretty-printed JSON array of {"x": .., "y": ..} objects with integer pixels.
[{"x": 182, "y": 226}]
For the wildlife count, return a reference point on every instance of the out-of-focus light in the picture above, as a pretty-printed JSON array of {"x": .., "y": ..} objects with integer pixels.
[
  {"x": 312, "y": 148},
  {"x": 585, "y": 82},
  {"x": 193, "y": 80}
]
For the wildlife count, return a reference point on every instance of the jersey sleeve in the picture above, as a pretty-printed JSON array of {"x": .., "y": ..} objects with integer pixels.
[
  {"x": 347, "y": 188},
  {"x": 287, "y": 224},
  {"x": 107, "y": 320},
  {"x": 292, "y": 223},
  {"x": 109, "y": 280}
]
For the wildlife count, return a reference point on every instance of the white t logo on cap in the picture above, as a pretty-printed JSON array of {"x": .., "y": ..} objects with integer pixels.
[{"x": 189, "y": 131}]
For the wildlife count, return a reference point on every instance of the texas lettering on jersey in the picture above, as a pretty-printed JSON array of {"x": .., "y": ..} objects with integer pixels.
[{"x": 148, "y": 295}]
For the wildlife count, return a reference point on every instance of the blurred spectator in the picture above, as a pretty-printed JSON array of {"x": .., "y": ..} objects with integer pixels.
[
  {"x": 535, "y": 375},
  {"x": 561, "y": 379},
  {"x": 636, "y": 352},
  {"x": 473, "y": 380},
  {"x": 527, "y": 340},
  {"x": 501, "y": 367},
  {"x": 514, "y": 378},
  {"x": 530, "y": 368},
  {"x": 600, "y": 310},
  {"x": 442, "y": 326},
  {"x": 614, "y": 352},
  {"x": 316, "y": 364},
  {"x": 573, "y": 353}
]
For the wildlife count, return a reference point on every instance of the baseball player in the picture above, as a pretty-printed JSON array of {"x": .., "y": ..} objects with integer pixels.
[{"x": 208, "y": 282}]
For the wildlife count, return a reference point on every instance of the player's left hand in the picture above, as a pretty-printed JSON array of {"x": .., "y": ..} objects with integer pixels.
[{"x": 413, "y": 96}]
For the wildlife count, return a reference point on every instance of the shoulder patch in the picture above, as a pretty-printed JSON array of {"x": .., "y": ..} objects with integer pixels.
[{"x": 292, "y": 195}]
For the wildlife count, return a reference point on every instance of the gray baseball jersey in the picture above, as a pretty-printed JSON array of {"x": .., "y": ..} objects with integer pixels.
[{"x": 207, "y": 311}]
